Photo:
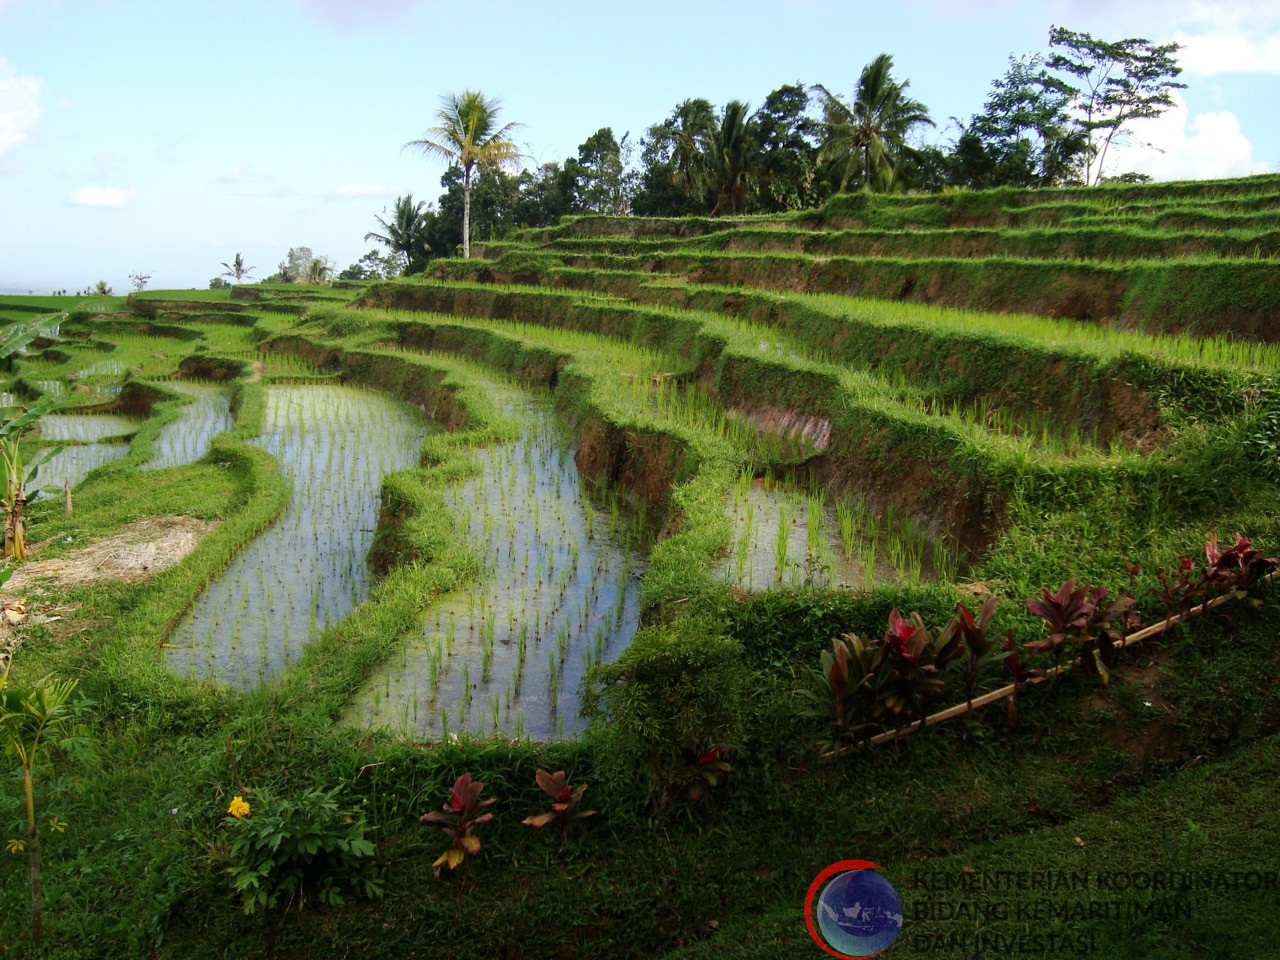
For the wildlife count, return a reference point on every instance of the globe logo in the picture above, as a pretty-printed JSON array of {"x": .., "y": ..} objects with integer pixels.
[{"x": 857, "y": 913}]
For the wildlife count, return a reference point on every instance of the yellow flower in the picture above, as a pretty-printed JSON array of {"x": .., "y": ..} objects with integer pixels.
[{"x": 238, "y": 808}]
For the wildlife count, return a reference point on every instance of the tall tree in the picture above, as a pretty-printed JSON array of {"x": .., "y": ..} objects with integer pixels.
[
  {"x": 293, "y": 269},
  {"x": 236, "y": 269},
  {"x": 787, "y": 138},
  {"x": 1025, "y": 135},
  {"x": 1120, "y": 82},
  {"x": 692, "y": 131},
  {"x": 733, "y": 159},
  {"x": 405, "y": 233},
  {"x": 865, "y": 139},
  {"x": 545, "y": 195},
  {"x": 597, "y": 179},
  {"x": 468, "y": 137}
]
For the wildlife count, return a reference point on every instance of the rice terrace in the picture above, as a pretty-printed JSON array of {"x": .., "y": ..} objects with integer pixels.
[{"x": 616, "y": 549}]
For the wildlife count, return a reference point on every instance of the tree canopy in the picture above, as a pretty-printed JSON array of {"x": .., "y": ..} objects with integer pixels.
[{"x": 1049, "y": 120}]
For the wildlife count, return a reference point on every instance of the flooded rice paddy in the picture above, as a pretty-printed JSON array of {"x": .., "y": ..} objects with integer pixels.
[
  {"x": 307, "y": 570},
  {"x": 85, "y": 427},
  {"x": 73, "y": 463},
  {"x": 187, "y": 439},
  {"x": 786, "y": 536},
  {"x": 559, "y": 591}
]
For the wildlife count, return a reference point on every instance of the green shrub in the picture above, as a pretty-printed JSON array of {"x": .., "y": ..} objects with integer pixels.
[
  {"x": 287, "y": 848},
  {"x": 674, "y": 697}
]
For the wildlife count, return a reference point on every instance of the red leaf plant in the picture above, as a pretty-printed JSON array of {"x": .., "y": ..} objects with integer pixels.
[
  {"x": 1082, "y": 616},
  {"x": 1238, "y": 568},
  {"x": 458, "y": 820},
  {"x": 565, "y": 799}
]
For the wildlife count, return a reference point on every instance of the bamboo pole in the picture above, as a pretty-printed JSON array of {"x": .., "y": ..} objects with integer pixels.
[{"x": 1003, "y": 693}]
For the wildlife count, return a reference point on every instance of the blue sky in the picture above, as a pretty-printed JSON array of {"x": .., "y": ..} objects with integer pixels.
[{"x": 163, "y": 137}]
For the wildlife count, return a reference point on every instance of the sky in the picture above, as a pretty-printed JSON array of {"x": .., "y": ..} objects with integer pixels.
[{"x": 165, "y": 137}]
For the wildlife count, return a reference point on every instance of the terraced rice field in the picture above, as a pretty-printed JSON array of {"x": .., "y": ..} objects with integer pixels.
[
  {"x": 558, "y": 591},
  {"x": 189, "y": 437},
  {"x": 601, "y": 500},
  {"x": 307, "y": 570}
]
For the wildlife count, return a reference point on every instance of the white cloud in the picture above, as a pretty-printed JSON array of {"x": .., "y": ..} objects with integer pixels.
[
  {"x": 234, "y": 173},
  {"x": 1233, "y": 52},
  {"x": 102, "y": 197},
  {"x": 362, "y": 190},
  {"x": 19, "y": 106},
  {"x": 344, "y": 13},
  {"x": 1178, "y": 146}
]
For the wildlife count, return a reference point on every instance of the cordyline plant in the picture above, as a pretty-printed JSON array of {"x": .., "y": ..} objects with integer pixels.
[
  {"x": 908, "y": 667},
  {"x": 564, "y": 802},
  {"x": 1082, "y": 616},
  {"x": 1238, "y": 569},
  {"x": 458, "y": 820},
  {"x": 713, "y": 768},
  {"x": 1183, "y": 592},
  {"x": 971, "y": 631},
  {"x": 843, "y": 689},
  {"x": 861, "y": 686},
  {"x": 1020, "y": 671}
]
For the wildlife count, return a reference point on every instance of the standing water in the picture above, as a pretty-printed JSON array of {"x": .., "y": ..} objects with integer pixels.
[
  {"x": 306, "y": 571},
  {"x": 73, "y": 463},
  {"x": 187, "y": 439},
  {"x": 559, "y": 592}
]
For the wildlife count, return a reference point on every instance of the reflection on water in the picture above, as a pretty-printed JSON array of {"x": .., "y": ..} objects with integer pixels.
[{"x": 308, "y": 569}]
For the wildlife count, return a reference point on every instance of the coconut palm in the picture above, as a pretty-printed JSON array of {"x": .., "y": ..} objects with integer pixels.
[
  {"x": 468, "y": 136},
  {"x": 866, "y": 138},
  {"x": 318, "y": 271},
  {"x": 692, "y": 142},
  {"x": 236, "y": 268},
  {"x": 733, "y": 159},
  {"x": 405, "y": 232}
]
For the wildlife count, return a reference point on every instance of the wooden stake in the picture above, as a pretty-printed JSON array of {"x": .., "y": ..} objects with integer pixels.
[{"x": 66, "y": 493}]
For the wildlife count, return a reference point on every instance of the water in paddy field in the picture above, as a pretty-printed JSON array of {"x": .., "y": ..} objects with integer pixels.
[
  {"x": 187, "y": 439},
  {"x": 115, "y": 368},
  {"x": 560, "y": 590},
  {"x": 50, "y": 388},
  {"x": 85, "y": 427},
  {"x": 307, "y": 570},
  {"x": 87, "y": 394},
  {"x": 786, "y": 536},
  {"x": 73, "y": 464}
]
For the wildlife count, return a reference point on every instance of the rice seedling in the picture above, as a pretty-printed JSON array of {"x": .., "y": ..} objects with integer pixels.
[
  {"x": 307, "y": 570},
  {"x": 542, "y": 580}
]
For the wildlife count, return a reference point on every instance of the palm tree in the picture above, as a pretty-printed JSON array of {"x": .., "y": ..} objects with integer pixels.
[
  {"x": 236, "y": 268},
  {"x": 733, "y": 159},
  {"x": 865, "y": 138},
  {"x": 469, "y": 137},
  {"x": 318, "y": 271},
  {"x": 692, "y": 143},
  {"x": 405, "y": 232}
]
